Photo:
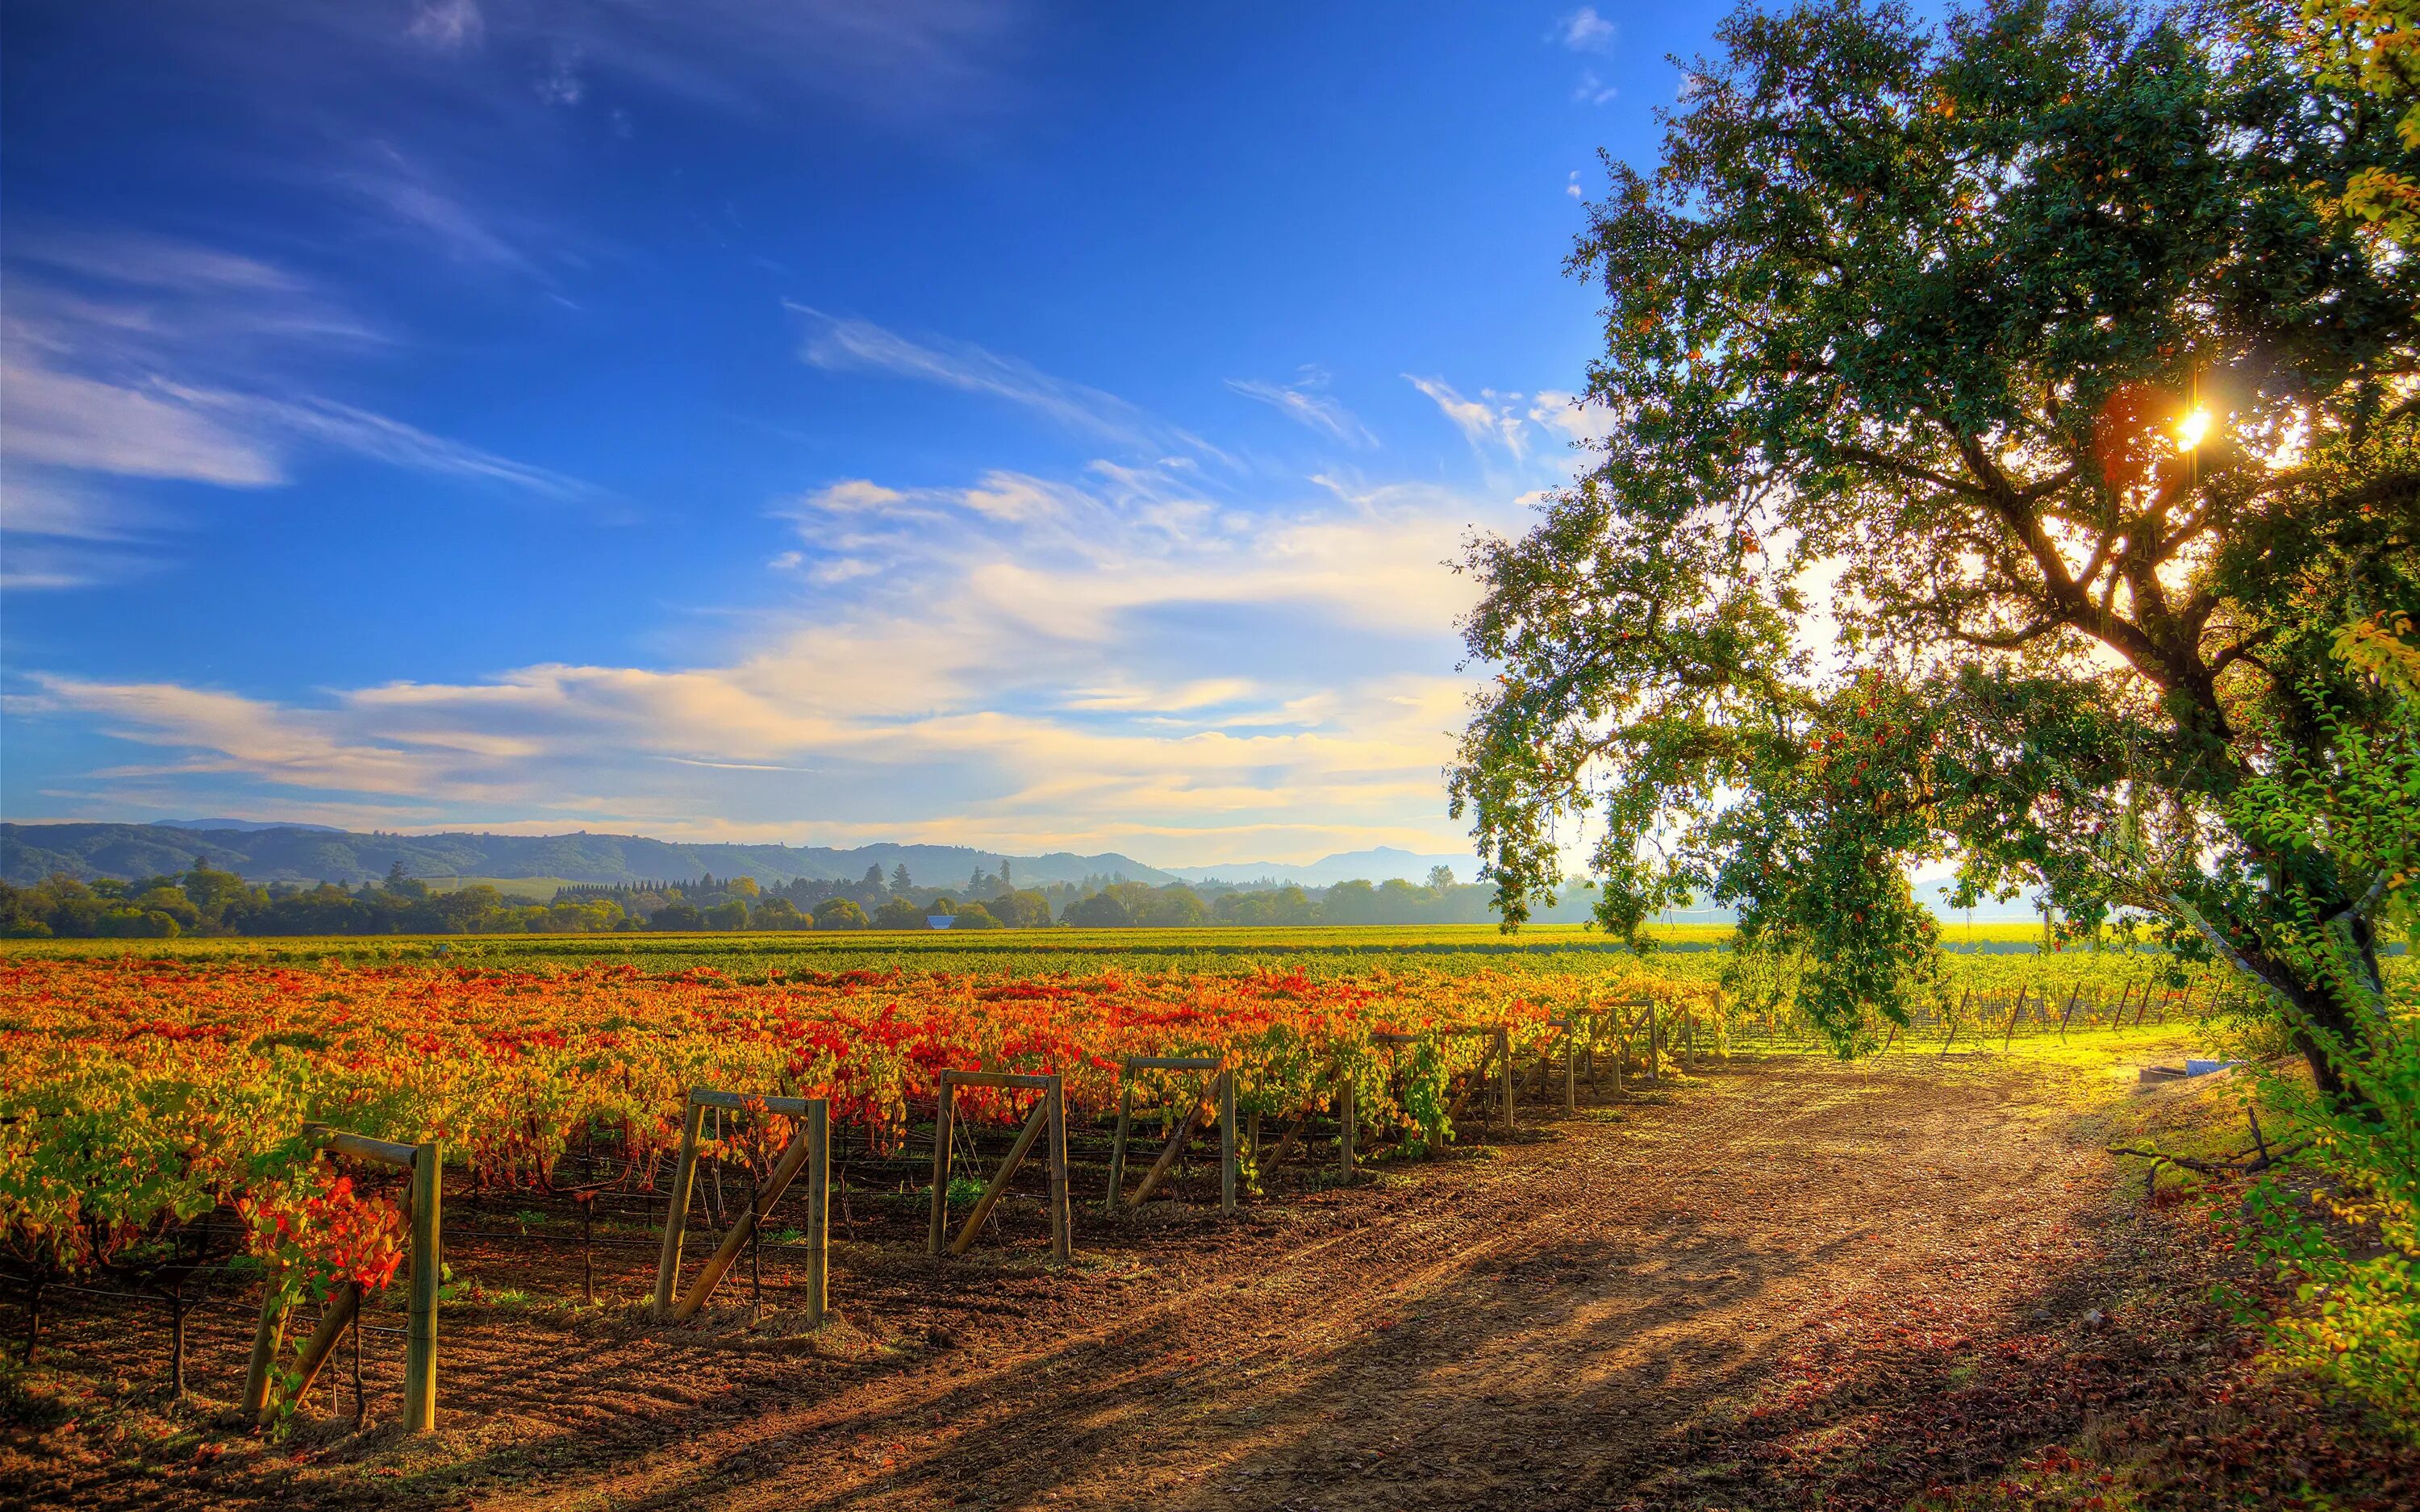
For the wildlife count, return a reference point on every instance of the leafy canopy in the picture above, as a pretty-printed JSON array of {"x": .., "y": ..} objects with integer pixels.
[{"x": 2007, "y": 420}]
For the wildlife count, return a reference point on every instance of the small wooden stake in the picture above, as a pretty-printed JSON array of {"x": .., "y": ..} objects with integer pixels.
[
  {"x": 1570, "y": 1068},
  {"x": 1227, "y": 1143},
  {"x": 1118, "y": 1147},
  {"x": 1504, "y": 1072},
  {"x": 1344, "y": 1144}
]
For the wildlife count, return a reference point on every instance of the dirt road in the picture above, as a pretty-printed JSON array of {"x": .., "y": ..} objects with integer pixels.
[
  {"x": 1771, "y": 1263},
  {"x": 1785, "y": 1283}
]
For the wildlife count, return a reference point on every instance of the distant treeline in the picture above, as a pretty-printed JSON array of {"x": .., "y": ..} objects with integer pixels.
[{"x": 205, "y": 901}]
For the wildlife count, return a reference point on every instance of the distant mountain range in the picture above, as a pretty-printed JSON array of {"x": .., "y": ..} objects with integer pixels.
[
  {"x": 1384, "y": 864},
  {"x": 309, "y": 853},
  {"x": 314, "y": 853}
]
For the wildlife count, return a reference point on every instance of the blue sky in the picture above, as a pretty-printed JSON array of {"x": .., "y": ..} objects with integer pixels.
[{"x": 1025, "y": 425}]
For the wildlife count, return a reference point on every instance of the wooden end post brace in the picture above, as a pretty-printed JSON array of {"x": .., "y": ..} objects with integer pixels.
[
  {"x": 797, "y": 1156},
  {"x": 2010, "y": 1038},
  {"x": 420, "y": 1209},
  {"x": 1035, "y": 1123},
  {"x": 1218, "y": 1100},
  {"x": 1654, "y": 1045},
  {"x": 2069, "y": 1012}
]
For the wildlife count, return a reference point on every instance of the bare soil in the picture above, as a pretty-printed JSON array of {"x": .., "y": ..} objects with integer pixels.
[{"x": 1784, "y": 1282}]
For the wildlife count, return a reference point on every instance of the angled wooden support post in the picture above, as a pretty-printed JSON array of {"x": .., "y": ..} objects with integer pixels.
[
  {"x": 420, "y": 1209},
  {"x": 810, "y": 1138},
  {"x": 1050, "y": 1116},
  {"x": 1216, "y": 1100},
  {"x": 265, "y": 1338},
  {"x": 676, "y": 1209},
  {"x": 1035, "y": 1123}
]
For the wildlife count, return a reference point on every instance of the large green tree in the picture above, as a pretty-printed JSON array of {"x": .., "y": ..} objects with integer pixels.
[{"x": 2005, "y": 426}]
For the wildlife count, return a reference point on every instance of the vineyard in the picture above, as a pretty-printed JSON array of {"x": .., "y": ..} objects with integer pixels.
[{"x": 164, "y": 1140}]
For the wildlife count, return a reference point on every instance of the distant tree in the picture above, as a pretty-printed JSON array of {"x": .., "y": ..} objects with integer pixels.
[
  {"x": 211, "y": 891},
  {"x": 841, "y": 913},
  {"x": 777, "y": 913},
  {"x": 1174, "y": 906},
  {"x": 1351, "y": 902},
  {"x": 900, "y": 913},
  {"x": 680, "y": 915},
  {"x": 1006, "y": 882},
  {"x": 165, "y": 897},
  {"x": 973, "y": 916},
  {"x": 1028, "y": 909},
  {"x": 741, "y": 888},
  {"x": 900, "y": 880},
  {"x": 1440, "y": 877},
  {"x": 873, "y": 877},
  {"x": 729, "y": 913},
  {"x": 399, "y": 882},
  {"x": 1100, "y": 911}
]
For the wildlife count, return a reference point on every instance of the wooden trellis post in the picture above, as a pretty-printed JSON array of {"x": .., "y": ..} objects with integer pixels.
[
  {"x": 809, "y": 1151},
  {"x": 1050, "y": 1114},
  {"x": 424, "y": 1165},
  {"x": 1221, "y": 1092}
]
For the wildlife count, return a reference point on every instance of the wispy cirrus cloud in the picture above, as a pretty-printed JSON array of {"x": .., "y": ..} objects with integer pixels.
[
  {"x": 1306, "y": 402},
  {"x": 1493, "y": 418},
  {"x": 141, "y": 359},
  {"x": 407, "y": 193},
  {"x": 841, "y": 343},
  {"x": 1505, "y": 420}
]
